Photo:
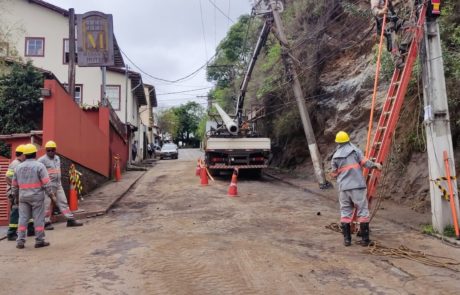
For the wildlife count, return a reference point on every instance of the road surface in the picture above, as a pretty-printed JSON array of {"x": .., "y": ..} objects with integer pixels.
[{"x": 169, "y": 235}]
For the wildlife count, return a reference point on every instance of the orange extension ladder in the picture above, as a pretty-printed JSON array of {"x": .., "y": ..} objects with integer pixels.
[{"x": 381, "y": 142}]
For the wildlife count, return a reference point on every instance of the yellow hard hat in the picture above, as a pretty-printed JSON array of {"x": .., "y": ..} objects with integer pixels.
[
  {"x": 50, "y": 144},
  {"x": 342, "y": 137},
  {"x": 30, "y": 149},
  {"x": 20, "y": 148}
]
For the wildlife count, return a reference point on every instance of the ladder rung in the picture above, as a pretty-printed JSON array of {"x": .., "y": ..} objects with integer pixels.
[
  {"x": 392, "y": 97},
  {"x": 387, "y": 113},
  {"x": 382, "y": 128},
  {"x": 378, "y": 143}
]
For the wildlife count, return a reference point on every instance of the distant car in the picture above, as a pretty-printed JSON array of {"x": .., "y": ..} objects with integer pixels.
[{"x": 169, "y": 151}]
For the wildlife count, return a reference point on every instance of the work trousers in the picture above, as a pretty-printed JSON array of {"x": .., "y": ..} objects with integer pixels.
[
  {"x": 62, "y": 204},
  {"x": 14, "y": 221},
  {"x": 28, "y": 208},
  {"x": 353, "y": 198}
]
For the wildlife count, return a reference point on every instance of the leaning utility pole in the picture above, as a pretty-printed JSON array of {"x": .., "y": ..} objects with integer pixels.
[
  {"x": 275, "y": 6},
  {"x": 437, "y": 127}
]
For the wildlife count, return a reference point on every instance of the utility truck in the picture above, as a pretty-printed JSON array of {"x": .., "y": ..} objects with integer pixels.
[{"x": 234, "y": 142}]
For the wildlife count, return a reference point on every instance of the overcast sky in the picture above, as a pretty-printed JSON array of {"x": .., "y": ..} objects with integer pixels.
[{"x": 165, "y": 37}]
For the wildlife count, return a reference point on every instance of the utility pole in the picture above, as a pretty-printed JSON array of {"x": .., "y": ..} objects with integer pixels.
[
  {"x": 298, "y": 93},
  {"x": 72, "y": 53},
  {"x": 437, "y": 125}
]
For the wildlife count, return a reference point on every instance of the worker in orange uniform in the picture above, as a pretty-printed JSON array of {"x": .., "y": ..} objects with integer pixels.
[
  {"x": 52, "y": 163},
  {"x": 30, "y": 181},
  {"x": 347, "y": 163}
]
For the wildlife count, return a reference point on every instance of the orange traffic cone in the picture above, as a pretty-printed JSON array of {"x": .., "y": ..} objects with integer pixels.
[
  {"x": 198, "y": 169},
  {"x": 117, "y": 168},
  {"x": 73, "y": 198},
  {"x": 204, "y": 176},
  {"x": 233, "y": 189}
]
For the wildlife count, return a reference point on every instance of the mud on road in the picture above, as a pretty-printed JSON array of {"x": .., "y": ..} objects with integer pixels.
[{"x": 169, "y": 235}]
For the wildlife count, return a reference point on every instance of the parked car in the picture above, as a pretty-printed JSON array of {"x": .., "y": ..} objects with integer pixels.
[{"x": 169, "y": 151}]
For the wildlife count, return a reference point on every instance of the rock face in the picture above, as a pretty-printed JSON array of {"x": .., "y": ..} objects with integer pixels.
[{"x": 337, "y": 69}]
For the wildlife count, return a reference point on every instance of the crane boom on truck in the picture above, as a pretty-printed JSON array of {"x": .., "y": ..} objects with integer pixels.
[{"x": 232, "y": 142}]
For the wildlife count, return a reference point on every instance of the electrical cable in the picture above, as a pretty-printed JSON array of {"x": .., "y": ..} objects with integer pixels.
[
  {"x": 184, "y": 91},
  {"x": 220, "y": 10},
  {"x": 166, "y": 80},
  {"x": 203, "y": 31}
]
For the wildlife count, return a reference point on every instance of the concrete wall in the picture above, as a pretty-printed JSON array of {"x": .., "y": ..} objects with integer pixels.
[{"x": 74, "y": 131}]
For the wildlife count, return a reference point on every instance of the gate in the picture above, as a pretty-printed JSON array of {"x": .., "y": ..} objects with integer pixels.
[{"x": 4, "y": 206}]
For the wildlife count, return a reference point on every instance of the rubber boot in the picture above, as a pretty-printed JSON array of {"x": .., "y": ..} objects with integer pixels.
[
  {"x": 48, "y": 226},
  {"x": 73, "y": 223},
  {"x": 41, "y": 244},
  {"x": 364, "y": 230},
  {"x": 12, "y": 236},
  {"x": 346, "y": 230},
  {"x": 30, "y": 229}
]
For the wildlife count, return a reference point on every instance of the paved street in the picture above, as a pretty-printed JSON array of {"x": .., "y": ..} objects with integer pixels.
[{"x": 169, "y": 235}]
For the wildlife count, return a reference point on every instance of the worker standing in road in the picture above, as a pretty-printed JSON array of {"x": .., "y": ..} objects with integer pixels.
[
  {"x": 14, "y": 214},
  {"x": 53, "y": 165},
  {"x": 347, "y": 163},
  {"x": 30, "y": 181}
]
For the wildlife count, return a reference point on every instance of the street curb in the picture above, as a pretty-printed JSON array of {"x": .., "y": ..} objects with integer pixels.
[{"x": 91, "y": 214}]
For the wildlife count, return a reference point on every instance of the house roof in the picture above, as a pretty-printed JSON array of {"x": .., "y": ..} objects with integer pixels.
[
  {"x": 152, "y": 95},
  {"x": 119, "y": 62},
  {"x": 137, "y": 84}
]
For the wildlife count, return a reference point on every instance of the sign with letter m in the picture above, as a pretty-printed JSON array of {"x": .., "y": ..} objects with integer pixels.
[{"x": 95, "y": 39}]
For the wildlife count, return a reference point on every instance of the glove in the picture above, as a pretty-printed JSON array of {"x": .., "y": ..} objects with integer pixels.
[{"x": 378, "y": 166}]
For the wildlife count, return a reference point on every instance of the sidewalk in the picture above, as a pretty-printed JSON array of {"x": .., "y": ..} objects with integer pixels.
[{"x": 99, "y": 201}]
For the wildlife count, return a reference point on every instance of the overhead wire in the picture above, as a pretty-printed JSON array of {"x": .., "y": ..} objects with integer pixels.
[
  {"x": 220, "y": 10},
  {"x": 166, "y": 80},
  {"x": 203, "y": 30},
  {"x": 184, "y": 91}
]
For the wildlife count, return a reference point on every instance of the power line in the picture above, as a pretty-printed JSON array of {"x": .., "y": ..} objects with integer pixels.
[
  {"x": 166, "y": 80},
  {"x": 220, "y": 10},
  {"x": 184, "y": 91},
  {"x": 203, "y": 30}
]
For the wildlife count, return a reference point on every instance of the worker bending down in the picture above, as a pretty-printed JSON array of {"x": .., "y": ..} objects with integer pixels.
[{"x": 347, "y": 163}]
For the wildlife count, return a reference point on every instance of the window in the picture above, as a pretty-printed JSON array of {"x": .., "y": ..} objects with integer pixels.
[
  {"x": 113, "y": 96},
  {"x": 65, "y": 54},
  {"x": 78, "y": 92},
  {"x": 35, "y": 47},
  {"x": 4, "y": 49}
]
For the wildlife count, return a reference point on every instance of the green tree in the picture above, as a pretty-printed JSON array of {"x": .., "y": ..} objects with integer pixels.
[
  {"x": 190, "y": 115},
  {"x": 168, "y": 122},
  {"x": 20, "y": 107}
]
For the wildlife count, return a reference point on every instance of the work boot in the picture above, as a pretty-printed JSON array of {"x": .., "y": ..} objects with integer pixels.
[
  {"x": 30, "y": 229},
  {"x": 41, "y": 244},
  {"x": 346, "y": 230},
  {"x": 12, "y": 236},
  {"x": 364, "y": 230},
  {"x": 20, "y": 245},
  {"x": 73, "y": 223},
  {"x": 49, "y": 226}
]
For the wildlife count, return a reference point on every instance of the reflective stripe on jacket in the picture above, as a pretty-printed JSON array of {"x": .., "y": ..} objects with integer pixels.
[
  {"x": 347, "y": 163},
  {"x": 30, "y": 180},
  {"x": 10, "y": 173},
  {"x": 53, "y": 167}
]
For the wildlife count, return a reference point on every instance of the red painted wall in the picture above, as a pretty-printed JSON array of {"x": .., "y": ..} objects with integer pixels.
[
  {"x": 118, "y": 146},
  {"x": 77, "y": 134}
]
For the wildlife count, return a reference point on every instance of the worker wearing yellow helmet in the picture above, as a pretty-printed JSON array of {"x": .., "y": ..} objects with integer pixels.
[
  {"x": 347, "y": 163},
  {"x": 29, "y": 183},
  {"x": 14, "y": 212},
  {"x": 52, "y": 163}
]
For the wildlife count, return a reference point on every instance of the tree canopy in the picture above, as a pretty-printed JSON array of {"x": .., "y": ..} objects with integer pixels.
[{"x": 182, "y": 122}]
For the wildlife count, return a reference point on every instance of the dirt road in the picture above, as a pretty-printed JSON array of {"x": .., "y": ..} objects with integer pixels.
[{"x": 169, "y": 235}]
